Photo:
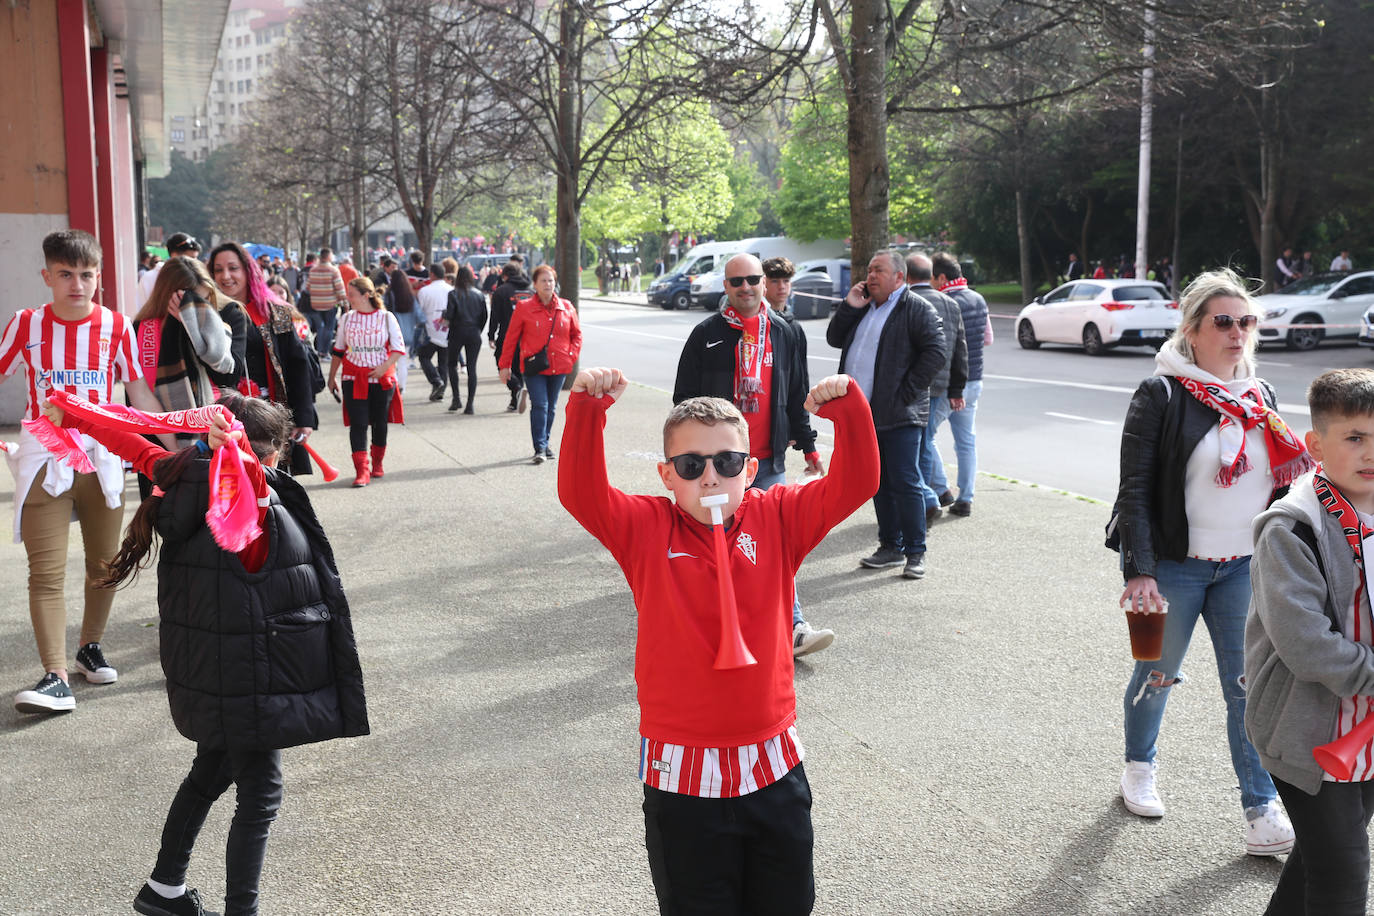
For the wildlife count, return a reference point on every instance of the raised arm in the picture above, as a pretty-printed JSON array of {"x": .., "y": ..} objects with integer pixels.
[{"x": 584, "y": 488}]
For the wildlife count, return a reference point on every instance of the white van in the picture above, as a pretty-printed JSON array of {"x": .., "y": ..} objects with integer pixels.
[{"x": 708, "y": 289}]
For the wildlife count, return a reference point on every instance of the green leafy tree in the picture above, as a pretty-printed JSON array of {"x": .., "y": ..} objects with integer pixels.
[{"x": 179, "y": 202}]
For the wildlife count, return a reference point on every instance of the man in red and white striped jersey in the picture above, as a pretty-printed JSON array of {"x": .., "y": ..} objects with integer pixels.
[
  {"x": 73, "y": 345},
  {"x": 727, "y": 808}
]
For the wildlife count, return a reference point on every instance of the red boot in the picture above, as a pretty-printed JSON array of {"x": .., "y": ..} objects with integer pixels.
[
  {"x": 378, "y": 453},
  {"x": 360, "y": 465}
]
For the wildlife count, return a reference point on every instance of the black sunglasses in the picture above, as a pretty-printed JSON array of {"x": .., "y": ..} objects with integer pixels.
[
  {"x": 690, "y": 466},
  {"x": 751, "y": 279},
  {"x": 1224, "y": 322}
]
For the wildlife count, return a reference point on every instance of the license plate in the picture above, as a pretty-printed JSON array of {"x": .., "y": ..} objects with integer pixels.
[{"x": 1156, "y": 332}]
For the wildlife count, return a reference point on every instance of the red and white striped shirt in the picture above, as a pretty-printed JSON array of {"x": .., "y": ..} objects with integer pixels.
[
  {"x": 719, "y": 772},
  {"x": 84, "y": 358},
  {"x": 368, "y": 339},
  {"x": 1357, "y": 625}
]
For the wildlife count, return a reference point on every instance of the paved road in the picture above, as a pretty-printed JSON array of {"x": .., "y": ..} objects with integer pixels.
[{"x": 1050, "y": 416}]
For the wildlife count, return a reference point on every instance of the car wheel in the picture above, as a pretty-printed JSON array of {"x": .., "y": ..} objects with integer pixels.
[
  {"x": 1025, "y": 335},
  {"x": 1305, "y": 338},
  {"x": 681, "y": 301},
  {"x": 1092, "y": 341}
]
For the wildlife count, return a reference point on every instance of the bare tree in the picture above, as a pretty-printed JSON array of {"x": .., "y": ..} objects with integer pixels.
[{"x": 586, "y": 74}]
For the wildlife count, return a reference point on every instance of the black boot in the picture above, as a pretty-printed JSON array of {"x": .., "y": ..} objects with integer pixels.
[
  {"x": 456, "y": 405},
  {"x": 512, "y": 405}
]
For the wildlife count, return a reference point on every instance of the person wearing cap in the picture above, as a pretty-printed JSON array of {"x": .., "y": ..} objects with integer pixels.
[{"x": 178, "y": 243}]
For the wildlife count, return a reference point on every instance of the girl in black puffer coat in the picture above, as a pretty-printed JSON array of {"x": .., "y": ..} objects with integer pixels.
[{"x": 257, "y": 646}]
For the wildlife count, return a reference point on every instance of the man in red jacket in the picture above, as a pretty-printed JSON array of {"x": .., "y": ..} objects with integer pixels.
[{"x": 727, "y": 808}]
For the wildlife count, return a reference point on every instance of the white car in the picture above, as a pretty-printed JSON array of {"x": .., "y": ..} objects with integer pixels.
[
  {"x": 1337, "y": 300},
  {"x": 1099, "y": 314}
]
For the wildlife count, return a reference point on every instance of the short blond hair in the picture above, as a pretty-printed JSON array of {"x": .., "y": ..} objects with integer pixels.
[
  {"x": 708, "y": 412},
  {"x": 1192, "y": 306}
]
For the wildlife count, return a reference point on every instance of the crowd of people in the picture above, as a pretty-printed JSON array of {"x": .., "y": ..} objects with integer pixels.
[{"x": 1219, "y": 517}]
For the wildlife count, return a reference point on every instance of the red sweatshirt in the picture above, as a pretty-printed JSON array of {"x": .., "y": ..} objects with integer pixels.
[
  {"x": 667, "y": 557},
  {"x": 144, "y": 455}
]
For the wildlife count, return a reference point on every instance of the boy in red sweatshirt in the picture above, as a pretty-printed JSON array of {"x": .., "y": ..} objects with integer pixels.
[{"x": 727, "y": 808}]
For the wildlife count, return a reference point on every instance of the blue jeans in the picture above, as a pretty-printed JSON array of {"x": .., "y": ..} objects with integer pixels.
[
  {"x": 407, "y": 321},
  {"x": 323, "y": 323},
  {"x": 763, "y": 481},
  {"x": 543, "y": 404},
  {"x": 1219, "y": 593},
  {"x": 898, "y": 504},
  {"x": 965, "y": 443}
]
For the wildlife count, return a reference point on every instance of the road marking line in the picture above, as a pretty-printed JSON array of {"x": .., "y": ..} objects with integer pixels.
[
  {"x": 1117, "y": 389},
  {"x": 607, "y": 327},
  {"x": 1069, "y": 416}
]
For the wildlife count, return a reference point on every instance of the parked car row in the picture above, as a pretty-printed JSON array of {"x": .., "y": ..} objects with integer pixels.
[{"x": 1098, "y": 315}]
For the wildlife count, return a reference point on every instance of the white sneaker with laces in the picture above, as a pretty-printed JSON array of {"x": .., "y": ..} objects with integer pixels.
[
  {"x": 806, "y": 639},
  {"x": 1268, "y": 831},
  {"x": 1138, "y": 789}
]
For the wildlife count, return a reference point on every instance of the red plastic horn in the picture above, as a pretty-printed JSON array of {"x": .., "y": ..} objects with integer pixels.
[
  {"x": 733, "y": 653},
  {"x": 1338, "y": 757},
  {"x": 328, "y": 470}
]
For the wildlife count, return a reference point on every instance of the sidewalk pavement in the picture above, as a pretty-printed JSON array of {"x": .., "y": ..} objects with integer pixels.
[{"x": 963, "y": 733}]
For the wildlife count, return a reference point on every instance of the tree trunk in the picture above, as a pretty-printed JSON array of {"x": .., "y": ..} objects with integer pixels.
[
  {"x": 867, "y": 133},
  {"x": 1023, "y": 243},
  {"x": 1083, "y": 232},
  {"x": 568, "y": 220},
  {"x": 1177, "y": 269},
  {"x": 1269, "y": 174}
]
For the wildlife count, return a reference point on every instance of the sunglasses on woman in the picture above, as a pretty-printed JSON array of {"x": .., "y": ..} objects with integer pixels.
[
  {"x": 1224, "y": 322},
  {"x": 751, "y": 279},
  {"x": 690, "y": 466}
]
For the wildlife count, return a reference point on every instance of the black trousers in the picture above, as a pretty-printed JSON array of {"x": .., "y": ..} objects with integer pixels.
[
  {"x": 257, "y": 778},
  {"x": 746, "y": 856},
  {"x": 1327, "y": 872},
  {"x": 428, "y": 350},
  {"x": 362, "y": 414},
  {"x": 466, "y": 349}
]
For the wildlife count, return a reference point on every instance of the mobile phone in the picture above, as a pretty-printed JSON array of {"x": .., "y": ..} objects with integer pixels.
[
  {"x": 863, "y": 288},
  {"x": 335, "y": 392}
]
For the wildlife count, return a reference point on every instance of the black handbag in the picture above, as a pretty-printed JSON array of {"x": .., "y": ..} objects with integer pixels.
[{"x": 537, "y": 363}]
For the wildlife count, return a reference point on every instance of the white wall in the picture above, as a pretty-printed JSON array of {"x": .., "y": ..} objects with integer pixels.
[{"x": 21, "y": 286}]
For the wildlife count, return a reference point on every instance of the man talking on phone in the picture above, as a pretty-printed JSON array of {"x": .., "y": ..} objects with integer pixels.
[{"x": 891, "y": 343}]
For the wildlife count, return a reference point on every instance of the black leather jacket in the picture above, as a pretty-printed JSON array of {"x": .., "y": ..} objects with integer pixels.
[
  {"x": 1163, "y": 425},
  {"x": 911, "y": 350},
  {"x": 706, "y": 368}
]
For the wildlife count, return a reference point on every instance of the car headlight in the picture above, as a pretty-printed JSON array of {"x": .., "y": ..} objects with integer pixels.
[{"x": 1276, "y": 313}]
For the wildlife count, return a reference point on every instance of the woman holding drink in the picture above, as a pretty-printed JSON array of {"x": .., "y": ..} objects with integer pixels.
[{"x": 1203, "y": 451}]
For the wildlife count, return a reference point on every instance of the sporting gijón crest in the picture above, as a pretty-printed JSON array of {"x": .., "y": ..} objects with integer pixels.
[{"x": 747, "y": 546}]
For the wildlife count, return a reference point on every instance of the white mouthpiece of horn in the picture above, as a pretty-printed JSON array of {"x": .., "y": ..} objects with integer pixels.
[{"x": 714, "y": 503}]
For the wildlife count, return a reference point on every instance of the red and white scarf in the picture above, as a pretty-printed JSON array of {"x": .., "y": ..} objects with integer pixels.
[
  {"x": 1288, "y": 458},
  {"x": 750, "y": 356},
  {"x": 956, "y": 283},
  {"x": 233, "y": 512},
  {"x": 1336, "y": 505}
]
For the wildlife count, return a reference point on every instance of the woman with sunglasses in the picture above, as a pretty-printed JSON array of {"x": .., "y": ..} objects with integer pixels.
[
  {"x": 545, "y": 330},
  {"x": 1203, "y": 451}
]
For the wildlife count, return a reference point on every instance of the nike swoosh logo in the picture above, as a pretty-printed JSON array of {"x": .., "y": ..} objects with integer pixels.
[
  {"x": 714, "y": 343},
  {"x": 672, "y": 555},
  {"x": 32, "y": 345}
]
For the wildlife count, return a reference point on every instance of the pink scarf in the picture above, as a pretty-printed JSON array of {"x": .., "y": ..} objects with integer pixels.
[
  {"x": 233, "y": 512},
  {"x": 750, "y": 356}
]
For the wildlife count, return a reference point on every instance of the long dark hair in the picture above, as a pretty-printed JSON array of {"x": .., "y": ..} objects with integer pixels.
[
  {"x": 267, "y": 426},
  {"x": 466, "y": 280},
  {"x": 259, "y": 296}
]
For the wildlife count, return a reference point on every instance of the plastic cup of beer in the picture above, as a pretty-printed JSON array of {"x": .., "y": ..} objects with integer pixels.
[{"x": 1147, "y": 631}]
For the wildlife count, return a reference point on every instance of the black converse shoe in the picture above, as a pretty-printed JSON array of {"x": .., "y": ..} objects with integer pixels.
[
  {"x": 50, "y": 695},
  {"x": 90, "y": 661},
  {"x": 151, "y": 903}
]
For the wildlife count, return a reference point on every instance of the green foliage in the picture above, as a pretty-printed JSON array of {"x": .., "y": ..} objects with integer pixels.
[
  {"x": 813, "y": 201},
  {"x": 676, "y": 177},
  {"x": 751, "y": 207}
]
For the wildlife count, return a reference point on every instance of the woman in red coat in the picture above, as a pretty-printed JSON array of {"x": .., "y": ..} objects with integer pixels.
[{"x": 545, "y": 330}]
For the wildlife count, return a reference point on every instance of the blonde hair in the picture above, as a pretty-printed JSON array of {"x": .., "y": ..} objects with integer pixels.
[
  {"x": 1192, "y": 306},
  {"x": 364, "y": 286},
  {"x": 708, "y": 412},
  {"x": 177, "y": 274}
]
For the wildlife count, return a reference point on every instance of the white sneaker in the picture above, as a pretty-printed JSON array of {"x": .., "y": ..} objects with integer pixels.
[
  {"x": 806, "y": 639},
  {"x": 1138, "y": 789},
  {"x": 1268, "y": 831}
]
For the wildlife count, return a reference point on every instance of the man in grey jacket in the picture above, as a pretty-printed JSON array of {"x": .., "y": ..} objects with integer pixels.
[{"x": 949, "y": 382}]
